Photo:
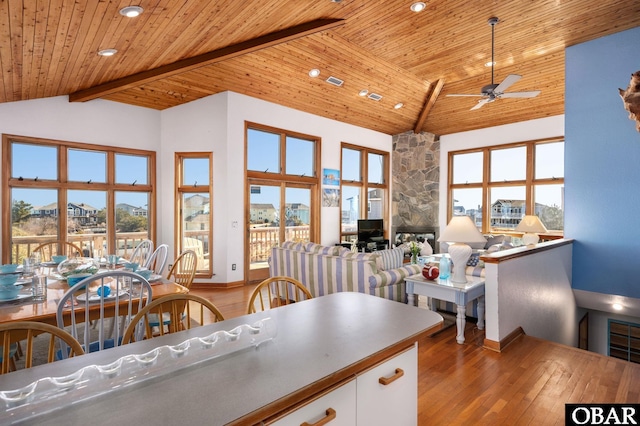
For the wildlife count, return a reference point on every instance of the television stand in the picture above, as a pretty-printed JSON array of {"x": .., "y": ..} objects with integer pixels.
[{"x": 371, "y": 246}]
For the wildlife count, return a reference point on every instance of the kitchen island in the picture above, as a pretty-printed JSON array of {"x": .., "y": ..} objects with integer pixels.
[{"x": 361, "y": 346}]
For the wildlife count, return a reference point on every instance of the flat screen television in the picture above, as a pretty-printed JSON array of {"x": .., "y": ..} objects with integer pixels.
[{"x": 370, "y": 230}]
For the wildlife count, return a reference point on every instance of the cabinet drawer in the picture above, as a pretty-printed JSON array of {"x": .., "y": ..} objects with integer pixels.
[
  {"x": 341, "y": 400},
  {"x": 395, "y": 401}
]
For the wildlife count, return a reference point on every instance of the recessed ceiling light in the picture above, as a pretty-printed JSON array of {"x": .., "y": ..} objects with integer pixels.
[
  {"x": 398, "y": 105},
  {"x": 314, "y": 73},
  {"x": 418, "y": 6},
  {"x": 107, "y": 52},
  {"x": 617, "y": 306},
  {"x": 363, "y": 92},
  {"x": 131, "y": 11}
]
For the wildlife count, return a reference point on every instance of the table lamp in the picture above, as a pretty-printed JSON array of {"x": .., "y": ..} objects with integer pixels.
[
  {"x": 459, "y": 231},
  {"x": 531, "y": 226}
]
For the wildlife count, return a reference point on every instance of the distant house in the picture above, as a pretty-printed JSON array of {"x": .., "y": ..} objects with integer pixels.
[
  {"x": 50, "y": 210},
  {"x": 82, "y": 213},
  {"x": 299, "y": 211},
  {"x": 132, "y": 210},
  {"x": 375, "y": 204},
  {"x": 509, "y": 213},
  {"x": 195, "y": 205},
  {"x": 262, "y": 213}
]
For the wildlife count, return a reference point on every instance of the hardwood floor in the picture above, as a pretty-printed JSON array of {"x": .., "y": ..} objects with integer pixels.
[{"x": 528, "y": 383}]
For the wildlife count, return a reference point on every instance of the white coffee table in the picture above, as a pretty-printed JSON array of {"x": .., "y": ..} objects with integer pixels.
[{"x": 458, "y": 293}]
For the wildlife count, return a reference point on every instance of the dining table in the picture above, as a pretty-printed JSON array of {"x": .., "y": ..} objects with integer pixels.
[{"x": 26, "y": 309}]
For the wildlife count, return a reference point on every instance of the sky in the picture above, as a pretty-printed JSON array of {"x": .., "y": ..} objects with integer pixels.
[
  {"x": 32, "y": 161},
  {"x": 549, "y": 163}
]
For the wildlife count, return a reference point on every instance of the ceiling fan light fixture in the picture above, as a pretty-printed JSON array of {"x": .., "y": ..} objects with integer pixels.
[
  {"x": 107, "y": 52},
  {"x": 363, "y": 92},
  {"x": 131, "y": 11},
  {"x": 418, "y": 6},
  {"x": 315, "y": 72}
]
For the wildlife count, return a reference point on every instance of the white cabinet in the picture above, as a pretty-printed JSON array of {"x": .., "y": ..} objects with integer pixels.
[
  {"x": 388, "y": 393},
  {"x": 336, "y": 408}
]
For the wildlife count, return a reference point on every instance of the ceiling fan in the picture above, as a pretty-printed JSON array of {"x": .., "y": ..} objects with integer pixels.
[{"x": 491, "y": 92}]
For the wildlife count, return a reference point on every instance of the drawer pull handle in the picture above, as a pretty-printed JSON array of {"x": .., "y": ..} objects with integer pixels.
[
  {"x": 386, "y": 380},
  {"x": 330, "y": 415}
]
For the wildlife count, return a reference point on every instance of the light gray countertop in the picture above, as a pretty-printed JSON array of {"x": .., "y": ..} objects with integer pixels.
[{"x": 315, "y": 339}]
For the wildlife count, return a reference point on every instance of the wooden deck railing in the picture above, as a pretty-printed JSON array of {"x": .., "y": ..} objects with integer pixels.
[
  {"x": 260, "y": 242},
  {"x": 92, "y": 245},
  {"x": 262, "y": 239}
]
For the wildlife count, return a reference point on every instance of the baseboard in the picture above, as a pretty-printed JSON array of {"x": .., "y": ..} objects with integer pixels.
[
  {"x": 499, "y": 346},
  {"x": 204, "y": 286}
]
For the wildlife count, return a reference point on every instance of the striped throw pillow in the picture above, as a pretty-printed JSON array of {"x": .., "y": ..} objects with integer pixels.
[{"x": 391, "y": 259}]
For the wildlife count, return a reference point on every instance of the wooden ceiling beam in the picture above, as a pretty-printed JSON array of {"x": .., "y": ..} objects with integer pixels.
[
  {"x": 208, "y": 58},
  {"x": 431, "y": 100}
]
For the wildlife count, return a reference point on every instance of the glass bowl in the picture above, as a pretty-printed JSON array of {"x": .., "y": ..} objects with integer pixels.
[{"x": 78, "y": 265}]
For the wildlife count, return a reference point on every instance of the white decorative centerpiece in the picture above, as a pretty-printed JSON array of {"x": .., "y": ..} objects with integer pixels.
[{"x": 459, "y": 231}]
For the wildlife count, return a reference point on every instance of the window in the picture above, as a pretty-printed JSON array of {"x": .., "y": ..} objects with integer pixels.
[
  {"x": 364, "y": 188},
  {"x": 282, "y": 182},
  {"x": 496, "y": 186},
  {"x": 108, "y": 199},
  {"x": 624, "y": 340},
  {"x": 193, "y": 199}
]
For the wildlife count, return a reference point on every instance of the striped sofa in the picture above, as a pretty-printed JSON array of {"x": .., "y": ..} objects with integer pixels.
[{"x": 330, "y": 269}]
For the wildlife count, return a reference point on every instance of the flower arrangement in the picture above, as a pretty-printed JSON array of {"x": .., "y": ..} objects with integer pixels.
[{"x": 414, "y": 249}]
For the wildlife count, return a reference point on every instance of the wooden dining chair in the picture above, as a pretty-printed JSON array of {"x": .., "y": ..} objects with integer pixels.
[
  {"x": 172, "y": 310},
  {"x": 158, "y": 259},
  {"x": 142, "y": 252},
  {"x": 53, "y": 248},
  {"x": 277, "y": 291},
  {"x": 183, "y": 269},
  {"x": 98, "y": 319},
  {"x": 12, "y": 331}
]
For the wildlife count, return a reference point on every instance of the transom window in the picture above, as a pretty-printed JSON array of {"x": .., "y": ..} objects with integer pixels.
[
  {"x": 364, "y": 188},
  {"x": 497, "y": 185},
  {"x": 100, "y": 198}
]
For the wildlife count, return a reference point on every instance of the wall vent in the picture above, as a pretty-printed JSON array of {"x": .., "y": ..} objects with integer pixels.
[
  {"x": 375, "y": 96},
  {"x": 335, "y": 81}
]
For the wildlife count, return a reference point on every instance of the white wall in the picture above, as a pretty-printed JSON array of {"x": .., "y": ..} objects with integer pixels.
[
  {"x": 96, "y": 122},
  {"x": 217, "y": 124},
  {"x": 201, "y": 126},
  {"x": 533, "y": 292}
]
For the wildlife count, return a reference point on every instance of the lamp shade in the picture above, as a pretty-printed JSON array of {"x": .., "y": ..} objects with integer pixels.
[
  {"x": 532, "y": 224},
  {"x": 461, "y": 229}
]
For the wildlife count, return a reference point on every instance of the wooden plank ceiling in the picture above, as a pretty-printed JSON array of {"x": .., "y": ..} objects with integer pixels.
[{"x": 48, "y": 48}]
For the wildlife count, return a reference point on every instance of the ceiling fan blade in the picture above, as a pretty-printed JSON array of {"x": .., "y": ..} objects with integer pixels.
[
  {"x": 531, "y": 94},
  {"x": 473, "y": 96},
  {"x": 480, "y": 103},
  {"x": 508, "y": 81}
]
